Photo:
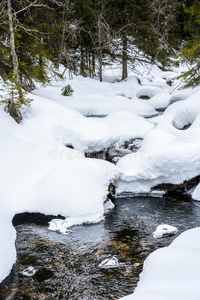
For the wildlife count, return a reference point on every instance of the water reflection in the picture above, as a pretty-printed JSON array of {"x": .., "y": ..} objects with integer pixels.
[{"x": 67, "y": 266}]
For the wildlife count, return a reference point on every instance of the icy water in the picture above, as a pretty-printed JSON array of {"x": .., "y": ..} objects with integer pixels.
[{"x": 67, "y": 267}]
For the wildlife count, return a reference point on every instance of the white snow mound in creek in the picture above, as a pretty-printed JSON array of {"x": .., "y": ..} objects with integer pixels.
[
  {"x": 109, "y": 263},
  {"x": 164, "y": 230},
  {"x": 172, "y": 272},
  {"x": 148, "y": 91}
]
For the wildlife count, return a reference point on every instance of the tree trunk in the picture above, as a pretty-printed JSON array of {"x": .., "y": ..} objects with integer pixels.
[
  {"x": 124, "y": 58},
  {"x": 14, "y": 112},
  {"x": 100, "y": 66},
  {"x": 93, "y": 65},
  {"x": 82, "y": 64},
  {"x": 12, "y": 43}
]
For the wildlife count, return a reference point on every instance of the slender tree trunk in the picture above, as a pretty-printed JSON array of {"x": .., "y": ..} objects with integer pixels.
[
  {"x": 124, "y": 58},
  {"x": 82, "y": 68},
  {"x": 100, "y": 45},
  {"x": 12, "y": 43},
  {"x": 89, "y": 65},
  {"x": 14, "y": 112},
  {"x": 93, "y": 65},
  {"x": 100, "y": 66}
]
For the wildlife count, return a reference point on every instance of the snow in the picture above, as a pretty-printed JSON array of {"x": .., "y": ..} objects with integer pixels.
[
  {"x": 188, "y": 111},
  {"x": 30, "y": 271},
  {"x": 168, "y": 154},
  {"x": 128, "y": 125},
  {"x": 196, "y": 193},
  {"x": 61, "y": 187},
  {"x": 109, "y": 263},
  {"x": 164, "y": 230},
  {"x": 148, "y": 91},
  {"x": 7, "y": 242},
  {"x": 40, "y": 174},
  {"x": 92, "y": 97},
  {"x": 172, "y": 272}
]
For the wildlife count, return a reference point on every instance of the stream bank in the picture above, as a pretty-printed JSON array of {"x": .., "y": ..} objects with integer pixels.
[{"x": 67, "y": 266}]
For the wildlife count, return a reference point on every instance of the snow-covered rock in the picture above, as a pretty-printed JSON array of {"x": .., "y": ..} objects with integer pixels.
[
  {"x": 172, "y": 272},
  {"x": 148, "y": 91},
  {"x": 59, "y": 225},
  {"x": 30, "y": 271},
  {"x": 109, "y": 263},
  {"x": 188, "y": 111},
  {"x": 164, "y": 230},
  {"x": 127, "y": 125},
  {"x": 175, "y": 162}
]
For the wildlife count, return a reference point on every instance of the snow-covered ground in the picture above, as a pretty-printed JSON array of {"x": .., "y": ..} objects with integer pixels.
[
  {"x": 172, "y": 273},
  {"x": 40, "y": 174}
]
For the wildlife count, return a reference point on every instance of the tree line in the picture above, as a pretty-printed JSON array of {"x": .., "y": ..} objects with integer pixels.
[{"x": 84, "y": 35}]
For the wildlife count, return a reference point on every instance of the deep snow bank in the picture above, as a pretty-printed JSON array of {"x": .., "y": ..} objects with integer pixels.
[
  {"x": 7, "y": 244},
  {"x": 172, "y": 272},
  {"x": 168, "y": 154}
]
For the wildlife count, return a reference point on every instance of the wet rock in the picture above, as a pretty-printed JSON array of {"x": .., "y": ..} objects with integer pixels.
[
  {"x": 176, "y": 190},
  {"x": 144, "y": 97},
  {"x": 69, "y": 146},
  {"x": 115, "y": 153},
  {"x": 123, "y": 148},
  {"x": 186, "y": 126},
  {"x": 132, "y": 144},
  {"x": 111, "y": 193},
  {"x": 43, "y": 274},
  {"x": 103, "y": 154},
  {"x": 36, "y": 218}
]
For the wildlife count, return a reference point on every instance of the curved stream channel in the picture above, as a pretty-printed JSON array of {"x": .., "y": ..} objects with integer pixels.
[{"x": 67, "y": 266}]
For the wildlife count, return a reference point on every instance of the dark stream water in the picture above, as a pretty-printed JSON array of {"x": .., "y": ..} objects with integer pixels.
[{"x": 67, "y": 267}]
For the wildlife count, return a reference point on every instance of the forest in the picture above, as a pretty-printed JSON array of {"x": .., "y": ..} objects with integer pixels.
[{"x": 86, "y": 35}]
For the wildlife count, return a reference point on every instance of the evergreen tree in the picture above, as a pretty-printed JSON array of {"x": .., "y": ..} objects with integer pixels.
[{"x": 190, "y": 52}]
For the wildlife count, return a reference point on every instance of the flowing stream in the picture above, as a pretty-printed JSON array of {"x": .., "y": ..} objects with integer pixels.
[{"x": 67, "y": 266}]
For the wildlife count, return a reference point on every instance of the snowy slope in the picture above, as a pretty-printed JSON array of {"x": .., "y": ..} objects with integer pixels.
[{"x": 172, "y": 272}]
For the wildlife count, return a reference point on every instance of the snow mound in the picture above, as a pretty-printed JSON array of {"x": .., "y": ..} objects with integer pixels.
[
  {"x": 92, "y": 97},
  {"x": 148, "y": 91},
  {"x": 7, "y": 246},
  {"x": 59, "y": 225},
  {"x": 51, "y": 121},
  {"x": 166, "y": 74},
  {"x": 196, "y": 193},
  {"x": 164, "y": 230},
  {"x": 156, "y": 139},
  {"x": 76, "y": 189},
  {"x": 109, "y": 263},
  {"x": 30, "y": 271},
  {"x": 188, "y": 111},
  {"x": 173, "y": 163},
  {"x": 172, "y": 272},
  {"x": 127, "y": 125}
]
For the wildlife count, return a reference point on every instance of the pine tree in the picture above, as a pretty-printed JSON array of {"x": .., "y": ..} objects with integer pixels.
[{"x": 190, "y": 52}]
